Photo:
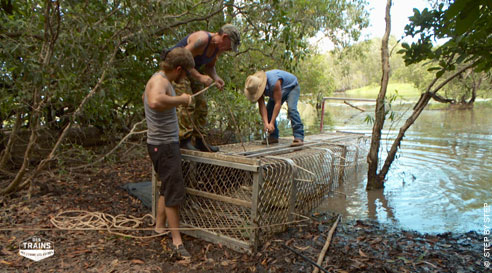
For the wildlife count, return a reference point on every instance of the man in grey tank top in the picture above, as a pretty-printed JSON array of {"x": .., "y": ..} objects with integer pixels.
[{"x": 160, "y": 103}]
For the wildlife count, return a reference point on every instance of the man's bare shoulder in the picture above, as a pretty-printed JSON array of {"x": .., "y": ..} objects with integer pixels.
[
  {"x": 197, "y": 41},
  {"x": 201, "y": 34},
  {"x": 157, "y": 83}
]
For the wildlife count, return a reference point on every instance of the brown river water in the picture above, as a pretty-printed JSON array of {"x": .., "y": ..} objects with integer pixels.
[{"x": 441, "y": 179}]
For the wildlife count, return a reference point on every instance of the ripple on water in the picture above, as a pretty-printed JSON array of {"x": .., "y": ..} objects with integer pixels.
[{"x": 441, "y": 178}]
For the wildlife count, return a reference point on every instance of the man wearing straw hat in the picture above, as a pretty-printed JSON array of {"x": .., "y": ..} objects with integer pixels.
[
  {"x": 280, "y": 86},
  {"x": 206, "y": 47}
]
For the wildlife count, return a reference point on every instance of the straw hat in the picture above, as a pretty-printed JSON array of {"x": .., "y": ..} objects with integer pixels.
[{"x": 255, "y": 86}]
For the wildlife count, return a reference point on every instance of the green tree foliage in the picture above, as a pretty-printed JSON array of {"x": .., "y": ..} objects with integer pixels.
[
  {"x": 359, "y": 64},
  {"x": 85, "y": 35},
  {"x": 468, "y": 86},
  {"x": 315, "y": 78},
  {"x": 466, "y": 24},
  {"x": 85, "y": 63}
]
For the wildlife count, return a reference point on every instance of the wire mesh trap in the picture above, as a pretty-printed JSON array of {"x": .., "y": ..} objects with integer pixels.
[{"x": 245, "y": 193}]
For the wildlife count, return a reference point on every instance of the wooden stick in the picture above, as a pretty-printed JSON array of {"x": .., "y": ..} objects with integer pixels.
[
  {"x": 353, "y": 106},
  {"x": 306, "y": 258},
  {"x": 203, "y": 90},
  {"x": 327, "y": 244},
  {"x": 132, "y": 132}
]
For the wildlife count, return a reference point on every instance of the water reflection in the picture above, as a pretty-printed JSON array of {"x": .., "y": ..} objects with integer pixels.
[
  {"x": 441, "y": 179},
  {"x": 377, "y": 204}
]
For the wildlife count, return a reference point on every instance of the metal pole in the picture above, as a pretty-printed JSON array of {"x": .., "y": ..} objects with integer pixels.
[
  {"x": 353, "y": 99},
  {"x": 322, "y": 115},
  {"x": 335, "y": 98}
]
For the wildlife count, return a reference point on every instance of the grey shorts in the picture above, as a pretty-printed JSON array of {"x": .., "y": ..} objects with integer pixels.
[{"x": 166, "y": 159}]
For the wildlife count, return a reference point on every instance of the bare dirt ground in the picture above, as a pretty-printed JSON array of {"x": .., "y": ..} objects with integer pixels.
[{"x": 357, "y": 246}]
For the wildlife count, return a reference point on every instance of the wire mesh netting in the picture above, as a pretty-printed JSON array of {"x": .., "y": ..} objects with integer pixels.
[{"x": 247, "y": 192}]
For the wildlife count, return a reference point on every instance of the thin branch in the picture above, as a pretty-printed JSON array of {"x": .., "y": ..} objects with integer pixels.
[
  {"x": 106, "y": 17},
  {"x": 162, "y": 30},
  {"x": 305, "y": 258},
  {"x": 74, "y": 116},
  {"x": 441, "y": 99},
  {"x": 14, "y": 35},
  {"x": 453, "y": 76},
  {"x": 132, "y": 132},
  {"x": 353, "y": 106},
  {"x": 238, "y": 130},
  {"x": 327, "y": 244},
  {"x": 13, "y": 185},
  {"x": 416, "y": 113}
]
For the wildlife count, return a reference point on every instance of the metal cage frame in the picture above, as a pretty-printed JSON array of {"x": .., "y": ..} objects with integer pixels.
[{"x": 239, "y": 199}]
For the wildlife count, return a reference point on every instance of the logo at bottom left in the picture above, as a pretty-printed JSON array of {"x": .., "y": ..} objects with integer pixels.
[{"x": 36, "y": 248}]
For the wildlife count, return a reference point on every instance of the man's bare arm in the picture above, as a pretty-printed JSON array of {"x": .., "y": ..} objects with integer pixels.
[
  {"x": 197, "y": 42},
  {"x": 159, "y": 99},
  {"x": 210, "y": 70},
  {"x": 277, "y": 96},
  {"x": 263, "y": 110}
]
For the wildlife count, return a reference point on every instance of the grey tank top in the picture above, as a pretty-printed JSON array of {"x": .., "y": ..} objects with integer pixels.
[{"x": 162, "y": 125}]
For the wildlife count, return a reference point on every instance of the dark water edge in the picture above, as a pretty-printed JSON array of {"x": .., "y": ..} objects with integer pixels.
[
  {"x": 370, "y": 246},
  {"x": 441, "y": 179}
]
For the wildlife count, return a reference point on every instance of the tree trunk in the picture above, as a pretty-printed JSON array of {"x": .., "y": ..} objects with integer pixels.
[
  {"x": 6, "y": 153},
  {"x": 50, "y": 37},
  {"x": 418, "y": 108},
  {"x": 475, "y": 87},
  {"x": 374, "y": 181}
]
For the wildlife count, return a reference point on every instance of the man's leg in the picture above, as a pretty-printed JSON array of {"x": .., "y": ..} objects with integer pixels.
[
  {"x": 173, "y": 193},
  {"x": 293, "y": 113},
  {"x": 200, "y": 118},
  {"x": 172, "y": 214},
  {"x": 173, "y": 220},
  {"x": 160, "y": 221}
]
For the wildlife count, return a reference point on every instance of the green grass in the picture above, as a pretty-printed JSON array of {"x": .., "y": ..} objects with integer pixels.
[{"x": 405, "y": 90}]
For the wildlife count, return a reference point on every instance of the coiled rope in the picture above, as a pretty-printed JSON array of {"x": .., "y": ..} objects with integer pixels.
[{"x": 86, "y": 220}]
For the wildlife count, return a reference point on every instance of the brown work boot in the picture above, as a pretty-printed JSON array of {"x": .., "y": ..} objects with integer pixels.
[
  {"x": 271, "y": 140},
  {"x": 297, "y": 142}
]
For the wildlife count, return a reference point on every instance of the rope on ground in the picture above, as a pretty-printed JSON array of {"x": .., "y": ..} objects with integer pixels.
[
  {"x": 81, "y": 220},
  {"x": 85, "y": 220}
]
